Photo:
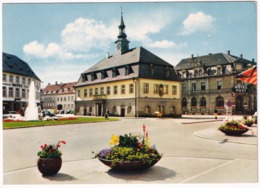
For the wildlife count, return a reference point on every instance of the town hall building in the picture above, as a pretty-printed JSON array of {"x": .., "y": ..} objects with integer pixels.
[{"x": 132, "y": 82}]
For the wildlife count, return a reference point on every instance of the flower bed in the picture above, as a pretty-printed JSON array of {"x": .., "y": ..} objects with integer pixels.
[
  {"x": 233, "y": 127},
  {"x": 129, "y": 152}
]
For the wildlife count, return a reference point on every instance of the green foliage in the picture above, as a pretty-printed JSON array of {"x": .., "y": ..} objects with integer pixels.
[
  {"x": 128, "y": 141},
  {"x": 232, "y": 125}
]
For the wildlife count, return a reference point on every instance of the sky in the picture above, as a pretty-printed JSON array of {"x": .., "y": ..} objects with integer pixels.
[{"x": 61, "y": 40}]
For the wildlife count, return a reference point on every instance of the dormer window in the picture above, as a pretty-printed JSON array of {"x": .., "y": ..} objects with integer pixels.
[
  {"x": 167, "y": 71},
  {"x": 93, "y": 76},
  {"x": 84, "y": 77},
  {"x": 104, "y": 74},
  {"x": 128, "y": 70},
  {"x": 115, "y": 72},
  {"x": 151, "y": 69}
]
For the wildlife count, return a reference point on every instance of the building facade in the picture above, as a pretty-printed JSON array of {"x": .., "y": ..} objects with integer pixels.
[
  {"x": 17, "y": 76},
  {"x": 210, "y": 85},
  {"x": 59, "y": 97},
  {"x": 132, "y": 82}
]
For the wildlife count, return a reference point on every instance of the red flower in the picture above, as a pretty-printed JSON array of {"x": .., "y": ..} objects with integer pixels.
[
  {"x": 144, "y": 127},
  {"x": 146, "y": 134},
  {"x": 58, "y": 145},
  {"x": 41, "y": 146},
  {"x": 62, "y": 141}
]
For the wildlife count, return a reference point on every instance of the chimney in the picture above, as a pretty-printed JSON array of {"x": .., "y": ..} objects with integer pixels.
[
  {"x": 253, "y": 60},
  {"x": 56, "y": 83},
  {"x": 241, "y": 56},
  {"x": 192, "y": 56},
  {"x": 228, "y": 52}
]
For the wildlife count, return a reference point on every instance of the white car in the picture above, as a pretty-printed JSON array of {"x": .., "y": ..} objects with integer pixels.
[{"x": 12, "y": 115}]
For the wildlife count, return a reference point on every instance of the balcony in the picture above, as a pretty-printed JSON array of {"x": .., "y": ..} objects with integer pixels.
[{"x": 99, "y": 97}]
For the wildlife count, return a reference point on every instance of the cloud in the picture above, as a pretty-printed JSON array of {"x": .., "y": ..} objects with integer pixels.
[
  {"x": 84, "y": 35},
  {"x": 79, "y": 39},
  {"x": 198, "y": 22}
]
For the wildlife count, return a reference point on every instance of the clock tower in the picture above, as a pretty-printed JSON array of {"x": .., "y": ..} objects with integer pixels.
[{"x": 122, "y": 44}]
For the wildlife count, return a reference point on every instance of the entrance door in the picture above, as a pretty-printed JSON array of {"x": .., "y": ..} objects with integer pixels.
[
  {"x": 99, "y": 110},
  {"x": 239, "y": 104},
  {"x": 122, "y": 114}
]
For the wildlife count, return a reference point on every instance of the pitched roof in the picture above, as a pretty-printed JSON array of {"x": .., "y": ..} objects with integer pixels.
[
  {"x": 135, "y": 55},
  {"x": 209, "y": 60},
  {"x": 15, "y": 65},
  {"x": 63, "y": 88}
]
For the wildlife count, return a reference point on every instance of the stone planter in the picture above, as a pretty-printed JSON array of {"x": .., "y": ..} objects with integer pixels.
[
  {"x": 249, "y": 124},
  {"x": 128, "y": 165},
  {"x": 234, "y": 132},
  {"x": 49, "y": 166}
]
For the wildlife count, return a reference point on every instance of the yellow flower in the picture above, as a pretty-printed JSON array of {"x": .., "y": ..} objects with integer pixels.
[{"x": 114, "y": 140}]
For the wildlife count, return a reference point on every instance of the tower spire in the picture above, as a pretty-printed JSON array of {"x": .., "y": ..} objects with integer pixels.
[{"x": 122, "y": 43}]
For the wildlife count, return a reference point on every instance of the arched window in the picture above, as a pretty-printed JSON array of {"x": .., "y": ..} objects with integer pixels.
[
  {"x": 193, "y": 102},
  {"x": 203, "y": 102},
  {"x": 147, "y": 109},
  {"x": 195, "y": 73},
  {"x": 184, "y": 102},
  {"x": 200, "y": 72},
  {"x": 220, "y": 101}
]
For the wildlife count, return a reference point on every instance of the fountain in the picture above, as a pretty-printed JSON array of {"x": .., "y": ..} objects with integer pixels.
[{"x": 31, "y": 112}]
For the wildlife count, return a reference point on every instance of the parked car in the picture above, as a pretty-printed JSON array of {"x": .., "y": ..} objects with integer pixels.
[
  {"x": 48, "y": 113},
  {"x": 11, "y": 114}
]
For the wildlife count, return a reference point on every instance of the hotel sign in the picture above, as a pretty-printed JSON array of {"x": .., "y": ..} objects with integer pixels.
[{"x": 240, "y": 88}]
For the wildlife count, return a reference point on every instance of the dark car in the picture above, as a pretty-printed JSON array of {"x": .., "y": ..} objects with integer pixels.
[{"x": 48, "y": 113}]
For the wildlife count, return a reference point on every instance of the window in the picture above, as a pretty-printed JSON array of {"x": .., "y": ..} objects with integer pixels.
[
  {"x": 64, "y": 98},
  {"x": 11, "y": 79},
  {"x": 128, "y": 70},
  {"x": 193, "y": 87},
  {"x": 23, "y": 81},
  {"x": 17, "y": 80},
  {"x": 195, "y": 73},
  {"x": 103, "y": 74},
  {"x": 194, "y": 102},
  {"x": 23, "y": 93},
  {"x": 11, "y": 92},
  {"x": 85, "y": 92},
  {"x": 4, "y": 91},
  {"x": 115, "y": 90},
  {"x": 17, "y": 92},
  {"x": 183, "y": 87},
  {"x": 114, "y": 72},
  {"x": 146, "y": 88},
  {"x": 131, "y": 88},
  {"x": 93, "y": 76},
  {"x": 155, "y": 88},
  {"x": 184, "y": 102},
  {"x": 29, "y": 82},
  {"x": 78, "y": 94},
  {"x": 174, "y": 90},
  {"x": 200, "y": 72},
  {"x": 219, "y": 85},
  {"x": 122, "y": 89},
  {"x": 96, "y": 91},
  {"x": 91, "y": 92},
  {"x": 152, "y": 69},
  {"x": 102, "y": 90},
  {"x": 203, "y": 102},
  {"x": 166, "y": 89},
  {"x": 167, "y": 71},
  {"x": 203, "y": 86},
  {"x": 84, "y": 77},
  {"x": 220, "y": 101},
  {"x": 4, "y": 77},
  {"x": 108, "y": 90}
]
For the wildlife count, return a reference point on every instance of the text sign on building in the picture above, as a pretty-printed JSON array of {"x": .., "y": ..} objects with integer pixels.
[{"x": 240, "y": 89}]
